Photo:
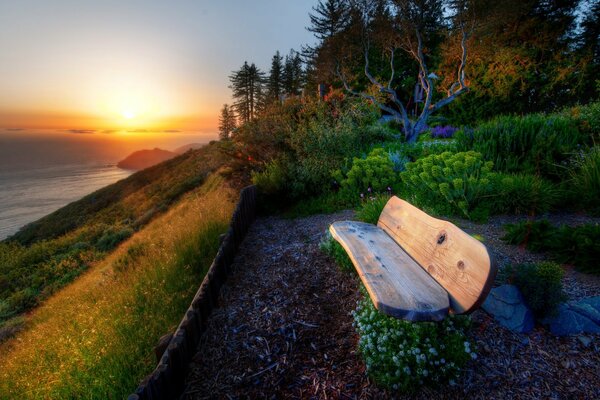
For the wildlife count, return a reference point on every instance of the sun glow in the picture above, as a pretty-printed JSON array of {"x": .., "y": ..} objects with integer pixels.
[{"x": 128, "y": 114}]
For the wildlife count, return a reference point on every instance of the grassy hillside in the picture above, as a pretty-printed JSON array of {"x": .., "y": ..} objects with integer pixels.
[
  {"x": 51, "y": 252},
  {"x": 94, "y": 338}
]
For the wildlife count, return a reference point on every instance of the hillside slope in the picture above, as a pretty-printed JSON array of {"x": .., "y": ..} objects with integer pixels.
[
  {"x": 142, "y": 159},
  {"x": 94, "y": 338},
  {"x": 49, "y": 253}
]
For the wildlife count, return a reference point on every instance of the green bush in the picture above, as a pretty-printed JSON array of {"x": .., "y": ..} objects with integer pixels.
[
  {"x": 521, "y": 194},
  {"x": 532, "y": 144},
  {"x": 272, "y": 179},
  {"x": 585, "y": 180},
  {"x": 333, "y": 249},
  {"x": 403, "y": 356},
  {"x": 450, "y": 182},
  {"x": 579, "y": 245},
  {"x": 373, "y": 174},
  {"x": 540, "y": 284},
  {"x": 370, "y": 209},
  {"x": 112, "y": 237}
]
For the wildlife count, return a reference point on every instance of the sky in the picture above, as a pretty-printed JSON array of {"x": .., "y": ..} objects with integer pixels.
[{"x": 129, "y": 64}]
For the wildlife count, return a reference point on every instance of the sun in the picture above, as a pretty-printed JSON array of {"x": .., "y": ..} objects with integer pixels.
[{"x": 128, "y": 114}]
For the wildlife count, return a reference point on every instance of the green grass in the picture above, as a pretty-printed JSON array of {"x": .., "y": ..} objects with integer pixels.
[{"x": 94, "y": 338}]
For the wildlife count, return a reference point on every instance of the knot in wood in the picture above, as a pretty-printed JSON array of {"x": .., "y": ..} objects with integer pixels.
[
  {"x": 460, "y": 265},
  {"x": 441, "y": 238}
]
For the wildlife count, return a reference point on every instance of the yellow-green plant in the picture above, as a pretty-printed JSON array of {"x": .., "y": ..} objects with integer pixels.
[
  {"x": 375, "y": 173},
  {"x": 450, "y": 182}
]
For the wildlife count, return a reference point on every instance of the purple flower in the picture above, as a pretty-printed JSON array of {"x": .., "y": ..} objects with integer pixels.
[
  {"x": 369, "y": 189},
  {"x": 362, "y": 195},
  {"x": 389, "y": 189},
  {"x": 443, "y": 132}
]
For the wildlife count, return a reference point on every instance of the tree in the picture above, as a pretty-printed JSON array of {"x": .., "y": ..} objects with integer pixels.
[
  {"x": 247, "y": 86},
  {"x": 275, "y": 80},
  {"x": 227, "y": 122},
  {"x": 293, "y": 74},
  {"x": 413, "y": 23},
  {"x": 329, "y": 18}
]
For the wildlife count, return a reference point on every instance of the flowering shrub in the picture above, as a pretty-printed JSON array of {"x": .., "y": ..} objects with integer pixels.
[
  {"x": 443, "y": 132},
  {"x": 449, "y": 182},
  {"x": 402, "y": 355},
  {"x": 371, "y": 208}
]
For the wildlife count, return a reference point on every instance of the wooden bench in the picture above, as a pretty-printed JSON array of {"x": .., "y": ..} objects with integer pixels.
[{"x": 417, "y": 267}]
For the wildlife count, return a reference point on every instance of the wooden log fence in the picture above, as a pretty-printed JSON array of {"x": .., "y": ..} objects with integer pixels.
[{"x": 168, "y": 379}]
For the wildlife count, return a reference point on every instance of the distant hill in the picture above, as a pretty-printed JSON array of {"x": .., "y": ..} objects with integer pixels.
[
  {"x": 191, "y": 146},
  {"x": 143, "y": 159}
]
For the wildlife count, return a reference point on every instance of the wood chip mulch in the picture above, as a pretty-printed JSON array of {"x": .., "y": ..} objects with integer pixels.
[{"x": 283, "y": 329}]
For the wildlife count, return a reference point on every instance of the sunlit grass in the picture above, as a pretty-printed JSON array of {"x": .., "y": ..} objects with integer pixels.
[{"x": 95, "y": 337}]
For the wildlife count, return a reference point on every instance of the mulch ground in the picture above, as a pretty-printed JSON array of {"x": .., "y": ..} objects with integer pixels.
[{"x": 283, "y": 329}]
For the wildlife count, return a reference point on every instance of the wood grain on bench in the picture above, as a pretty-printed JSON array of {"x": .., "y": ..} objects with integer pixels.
[
  {"x": 397, "y": 285},
  {"x": 458, "y": 262}
]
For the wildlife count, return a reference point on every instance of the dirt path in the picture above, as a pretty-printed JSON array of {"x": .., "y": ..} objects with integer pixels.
[{"x": 284, "y": 330}]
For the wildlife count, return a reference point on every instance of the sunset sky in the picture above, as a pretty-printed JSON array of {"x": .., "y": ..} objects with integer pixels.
[{"x": 114, "y": 64}]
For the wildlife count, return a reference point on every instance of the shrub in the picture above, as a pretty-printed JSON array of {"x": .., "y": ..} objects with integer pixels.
[
  {"x": 532, "y": 144},
  {"x": 414, "y": 151},
  {"x": 375, "y": 173},
  {"x": 540, "y": 284},
  {"x": 579, "y": 245},
  {"x": 272, "y": 179},
  {"x": 371, "y": 208},
  {"x": 585, "y": 179},
  {"x": 403, "y": 356},
  {"x": 520, "y": 194},
  {"x": 333, "y": 249},
  {"x": 449, "y": 182},
  {"x": 112, "y": 237}
]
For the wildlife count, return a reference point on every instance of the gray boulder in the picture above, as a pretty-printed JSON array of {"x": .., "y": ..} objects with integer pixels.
[
  {"x": 569, "y": 321},
  {"x": 589, "y": 308},
  {"x": 507, "y": 306}
]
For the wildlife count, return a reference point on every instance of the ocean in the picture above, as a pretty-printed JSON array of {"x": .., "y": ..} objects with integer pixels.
[{"x": 26, "y": 195}]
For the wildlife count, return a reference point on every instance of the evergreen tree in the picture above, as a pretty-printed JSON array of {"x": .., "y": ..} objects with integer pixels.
[
  {"x": 293, "y": 74},
  {"x": 227, "y": 122},
  {"x": 275, "y": 80},
  {"x": 329, "y": 18},
  {"x": 246, "y": 84}
]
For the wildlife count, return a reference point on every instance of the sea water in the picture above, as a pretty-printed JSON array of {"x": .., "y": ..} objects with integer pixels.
[{"x": 26, "y": 195}]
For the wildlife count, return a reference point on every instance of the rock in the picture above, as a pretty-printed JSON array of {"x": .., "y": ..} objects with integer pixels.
[
  {"x": 589, "y": 308},
  {"x": 585, "y": 340},
  {"x": 507, "y": 306},
  {"x": 570, "y": 322}
]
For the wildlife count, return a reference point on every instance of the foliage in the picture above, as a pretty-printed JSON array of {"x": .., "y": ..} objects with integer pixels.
[
  {"x": 403, "y": 355},
  {"x": 532, "y": 144},
  {"x": 540, "y": 284},
  {"x": 94, "y": 338},
  {"x": 247, "y": 87},
  {"x": 522, "y": 194},
  {"x": 333, "y": 249},
  {"x": 371, "y": 208},
  {"x": 578, "y": 245},
  {"x": 449, "y": 182},
  {"x": 227, "y": 122},
  {"x": 375, "y": 173},
  {"x": 585, "y": 179}
]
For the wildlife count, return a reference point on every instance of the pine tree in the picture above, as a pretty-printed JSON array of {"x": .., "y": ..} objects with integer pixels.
[
  {"x": 247, "y": 86},
  {"x": 293, "y": 74},
  {"x": 274, "y": 82},
  {"x": 227, "y": 122},
  {"x": 329, "y": 18}
]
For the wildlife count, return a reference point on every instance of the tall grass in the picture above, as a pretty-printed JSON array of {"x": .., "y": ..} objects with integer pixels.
[
  {"x": 585, "y": 178},
  {"x": 94, "y": 338},
  {"x": 531, "y": 144}
]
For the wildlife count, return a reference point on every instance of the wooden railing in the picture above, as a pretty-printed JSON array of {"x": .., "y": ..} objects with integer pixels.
[{"x": 167, "y": 380}]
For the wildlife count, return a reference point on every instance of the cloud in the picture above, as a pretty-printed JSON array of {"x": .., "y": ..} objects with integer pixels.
[{"x": 82, "y": 131}]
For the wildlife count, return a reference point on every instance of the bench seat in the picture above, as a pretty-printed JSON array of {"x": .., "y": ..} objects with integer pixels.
[
  {"x": 397, "y": 285},
  {"x": 415, "y": 266}
]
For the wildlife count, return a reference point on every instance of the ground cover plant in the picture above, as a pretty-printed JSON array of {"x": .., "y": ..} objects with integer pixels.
[
  {"x": 578, "y": 245},
  {"x": 403, "y": 356},
  {"x": 94, "y": 338}
]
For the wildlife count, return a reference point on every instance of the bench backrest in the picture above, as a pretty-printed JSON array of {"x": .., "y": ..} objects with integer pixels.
[{"x": 458, "y": 262}]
